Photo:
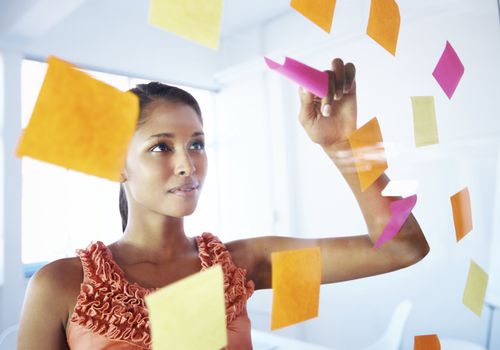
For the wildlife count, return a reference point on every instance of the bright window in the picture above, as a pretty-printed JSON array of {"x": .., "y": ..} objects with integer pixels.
[{"x": 63, "y": 210}]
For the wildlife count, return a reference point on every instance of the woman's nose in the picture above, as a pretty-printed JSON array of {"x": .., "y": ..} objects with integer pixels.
[{"x": 184, "y": 165}]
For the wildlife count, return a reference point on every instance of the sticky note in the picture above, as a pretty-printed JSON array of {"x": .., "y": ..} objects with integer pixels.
[
  {"x": 197, "y": 20},
  {"x": 368, "y": 152},
  {"x": 296, "y": 278},
  {"x": 80, "y": 123},
  {"x": 424, "y": 120},
  {"x": 190, "y": 313},
  {"x": 426, "y": 342},
  {"x": 475, "y": 288},
  {"x": 400, "y": 210},
  {"x": 320, "y": 12},
  {"x": 462, "y": 216},
  {"x": 449, "y": 70},
  {"x": 312, "y": 79},
  {"x": 383, "y": 24},
  {"x": 400, "y": 188}
]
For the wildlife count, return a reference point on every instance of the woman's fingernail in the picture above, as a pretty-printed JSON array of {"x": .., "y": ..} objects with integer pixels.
[{"x": 326, "y": 110}]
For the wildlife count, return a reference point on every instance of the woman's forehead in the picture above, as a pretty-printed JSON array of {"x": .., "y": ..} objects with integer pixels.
[{"x": 171, "y": 117}]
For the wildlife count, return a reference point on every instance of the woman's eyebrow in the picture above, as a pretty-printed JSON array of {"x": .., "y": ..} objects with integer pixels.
[{"x": 172, "y": 135}]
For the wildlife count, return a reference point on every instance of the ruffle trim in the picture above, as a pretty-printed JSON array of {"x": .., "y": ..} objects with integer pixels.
[
  {"x": 108, "y": 304},
  {"x": 236, "y": 288},
  {"x": 111, "y": 306}
]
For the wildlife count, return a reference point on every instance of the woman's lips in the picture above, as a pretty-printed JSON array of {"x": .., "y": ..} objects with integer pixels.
[{"x": 185, "y": 190}]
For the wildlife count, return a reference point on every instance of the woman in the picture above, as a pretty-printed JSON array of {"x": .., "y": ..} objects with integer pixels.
[{"x": 163, "y": 175}]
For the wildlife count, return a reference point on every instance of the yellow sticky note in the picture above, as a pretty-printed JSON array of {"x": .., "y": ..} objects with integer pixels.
[
  {"x": 475, "y": 289},
  {"x": 318, "y": 11},
  {"x": 427, "y": 342},
  {"x": 80, "y": 123},
  {"x": 424, "y": 120},
  {"x": 462, "y": 216},
  {"x": 296, "y": 278},
  {"x": 383, "y": 24},
  {"x": 197, "y": 20},
  {"x": 190, "y": 313},
  {"x": 368, "y": 152}
]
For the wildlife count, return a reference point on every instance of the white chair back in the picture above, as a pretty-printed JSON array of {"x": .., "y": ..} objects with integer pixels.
[{"x": 391, "y": 339}]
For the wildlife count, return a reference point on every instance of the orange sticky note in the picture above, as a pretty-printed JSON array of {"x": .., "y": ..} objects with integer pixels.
[
  {"x": 296, "y": 278},
  {"x": 462, "y": 217},
  {"x": 426, "y": 342},
  {"x": 318, "y": 11},
  {"x": 80, "y": 123},
  {"x": 475, "y": 288},
  {"x": 383, "y": 24},
  {"x": 369, "y": 153}
]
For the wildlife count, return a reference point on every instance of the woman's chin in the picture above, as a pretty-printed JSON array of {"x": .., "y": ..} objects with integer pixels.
[{"x": 182, "y": 212}]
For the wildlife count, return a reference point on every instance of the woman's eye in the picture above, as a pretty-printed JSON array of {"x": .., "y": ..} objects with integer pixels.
[
  {"x": 161, "y": 147},
  {"x": 198, "y": 146}
]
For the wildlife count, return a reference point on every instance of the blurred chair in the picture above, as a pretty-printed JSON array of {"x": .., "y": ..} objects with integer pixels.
[
  {"x": 391, "y": 339},
  {"x": 8, "y": 338}
]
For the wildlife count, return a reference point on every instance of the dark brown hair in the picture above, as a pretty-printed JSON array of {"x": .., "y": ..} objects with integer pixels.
[{"x": 147, "y": 94}]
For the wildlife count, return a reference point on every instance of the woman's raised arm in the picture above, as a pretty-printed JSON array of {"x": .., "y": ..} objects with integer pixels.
[{"x": 329, "y": 122}]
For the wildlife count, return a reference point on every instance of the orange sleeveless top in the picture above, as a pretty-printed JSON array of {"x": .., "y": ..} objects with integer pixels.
[{"x": 111, "y": 314}]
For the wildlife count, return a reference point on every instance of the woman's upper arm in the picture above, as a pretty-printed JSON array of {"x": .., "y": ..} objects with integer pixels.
[
  {"x": 45, "y": 310},
  {"x": 342, "y": 258}
]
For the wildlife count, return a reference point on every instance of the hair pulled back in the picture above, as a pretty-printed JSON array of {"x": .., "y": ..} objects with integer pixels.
[{"x": 147, "y": 94}]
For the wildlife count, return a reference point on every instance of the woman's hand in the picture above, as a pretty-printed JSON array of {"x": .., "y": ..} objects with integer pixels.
[{"x": 330, "y": 120}]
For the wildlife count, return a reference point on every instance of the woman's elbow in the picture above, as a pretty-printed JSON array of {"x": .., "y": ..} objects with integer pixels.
[{"x": 415, "y": 248}]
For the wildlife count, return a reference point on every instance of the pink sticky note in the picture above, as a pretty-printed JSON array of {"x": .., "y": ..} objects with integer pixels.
[
  {"x": 400, "y": 211},
  {"x": 449, "y": 70},
  {"x": 312, "y": 79}
]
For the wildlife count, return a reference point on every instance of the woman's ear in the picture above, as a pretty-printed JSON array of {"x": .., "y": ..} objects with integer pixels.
[{"x": 123, "y": 177}]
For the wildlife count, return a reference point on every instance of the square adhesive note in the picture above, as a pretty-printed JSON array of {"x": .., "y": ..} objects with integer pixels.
[
  {"x": 383, "y": 24},
  {"x": 427, "y": 342},
  {"x": 190, "y": 313},
  {"x": 368, "y": 152},
  {"x": 462, "y": 216},
  {"x": 308, "y": 77},
  {"x": 424, "y": 120},
  {"x": 320, "y": 12},
  {"x": 296, "y": 279},
  {"x": 80, "y": 123},
  {"x": 197, "y": 20},
  {"x": 475, "y": 288},
  {"x": 449, "y": 70}
]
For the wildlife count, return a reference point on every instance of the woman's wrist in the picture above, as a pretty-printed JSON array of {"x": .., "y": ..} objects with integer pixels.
[{"x": 338, "y": 150}]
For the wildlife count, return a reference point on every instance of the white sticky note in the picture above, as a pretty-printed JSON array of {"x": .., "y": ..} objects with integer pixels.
[{"x": 403, "y": 188}]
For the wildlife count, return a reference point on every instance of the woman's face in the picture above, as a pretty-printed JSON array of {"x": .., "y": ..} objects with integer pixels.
[{"x": 166, "y": 162}]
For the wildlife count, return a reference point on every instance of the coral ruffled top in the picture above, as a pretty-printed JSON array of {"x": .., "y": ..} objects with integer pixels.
[{"x": 111, "y": 313}]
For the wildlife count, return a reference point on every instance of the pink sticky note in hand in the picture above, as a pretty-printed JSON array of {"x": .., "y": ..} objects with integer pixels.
[
  {"x": 400, "y": 211},
  {"x": 312, "y": 79},
  {"x": 449, "y": 70}
]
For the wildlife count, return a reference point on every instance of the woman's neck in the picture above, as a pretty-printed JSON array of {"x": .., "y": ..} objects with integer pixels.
[{"x": 156, "y": 238}]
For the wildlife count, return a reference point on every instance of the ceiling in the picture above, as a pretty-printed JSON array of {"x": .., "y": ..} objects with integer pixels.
[{"x": 114, "y": 35}]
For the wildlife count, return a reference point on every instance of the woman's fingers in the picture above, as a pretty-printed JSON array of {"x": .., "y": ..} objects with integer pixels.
[
  {"x": 337, "y": 80},
  {"x": 350, "y": 75},
  {"x": 326, "y": 102},
  {"x": 339, "y": 75},
  {"x": 341, "y": 81}
]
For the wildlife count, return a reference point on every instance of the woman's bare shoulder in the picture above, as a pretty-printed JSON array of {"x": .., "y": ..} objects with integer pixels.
[
  {"x": 58, "y": 283},
  {"x": 60, "y": 273},
  {"x": 51, "y": 295}
]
